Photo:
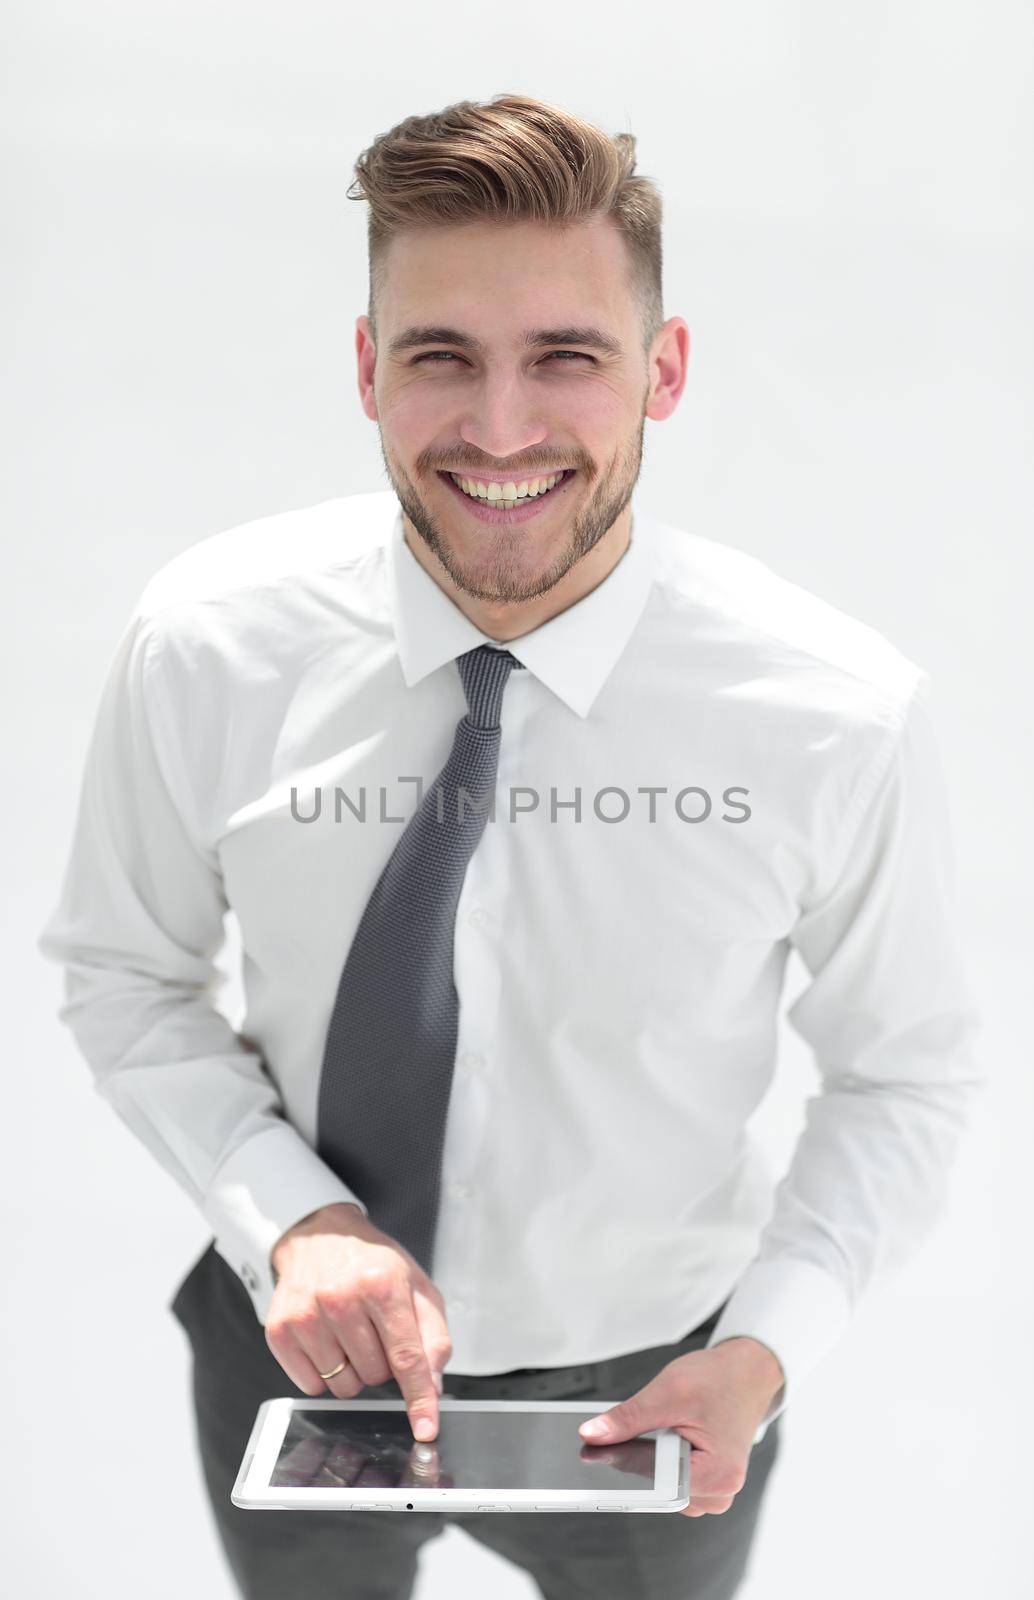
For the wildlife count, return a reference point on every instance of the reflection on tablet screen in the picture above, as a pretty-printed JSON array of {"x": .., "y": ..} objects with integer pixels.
[{"x": 473, "y": 1450}]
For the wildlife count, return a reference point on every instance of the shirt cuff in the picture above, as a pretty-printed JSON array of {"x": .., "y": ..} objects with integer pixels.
[
  {"x": 794, "y": 1308},
  {"x": 269, "y": 1183}
]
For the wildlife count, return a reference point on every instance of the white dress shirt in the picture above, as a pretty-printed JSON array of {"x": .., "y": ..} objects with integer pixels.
[{"x": 755, "y": 770}]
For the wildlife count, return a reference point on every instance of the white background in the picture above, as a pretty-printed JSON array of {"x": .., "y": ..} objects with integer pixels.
[{"x": 847, "y": 236}]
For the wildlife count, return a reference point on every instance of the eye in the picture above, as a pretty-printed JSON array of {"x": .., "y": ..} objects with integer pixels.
[{"x": 448, "y": 355}]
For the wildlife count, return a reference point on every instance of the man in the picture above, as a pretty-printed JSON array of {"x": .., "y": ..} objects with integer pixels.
[{"x": 483, "y": 1128}]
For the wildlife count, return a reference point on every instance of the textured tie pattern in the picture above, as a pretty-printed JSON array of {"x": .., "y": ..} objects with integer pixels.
[{"x": 391, "y": 1044}]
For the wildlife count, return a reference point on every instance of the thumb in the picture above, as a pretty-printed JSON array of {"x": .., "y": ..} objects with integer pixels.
[{"x": 641, "y": 1412}]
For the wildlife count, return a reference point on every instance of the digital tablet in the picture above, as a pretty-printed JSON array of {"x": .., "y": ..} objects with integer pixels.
[{"x": 490, "y": 1455}]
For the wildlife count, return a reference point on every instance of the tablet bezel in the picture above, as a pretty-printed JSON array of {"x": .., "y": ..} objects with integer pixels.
[{"x": 252, "y": 1490}]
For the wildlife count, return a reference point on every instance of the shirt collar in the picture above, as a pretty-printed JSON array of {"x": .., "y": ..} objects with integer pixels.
[{"x": 572, "y": 654}]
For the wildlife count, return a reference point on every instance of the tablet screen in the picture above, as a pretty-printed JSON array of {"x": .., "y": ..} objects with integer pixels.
[{"x": 474, "y": 1450}]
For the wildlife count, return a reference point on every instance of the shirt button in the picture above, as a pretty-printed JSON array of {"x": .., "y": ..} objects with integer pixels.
[
  {"x": 249, "y": 1275},
  {"x": 471, "y": 1061},
  {"x": 456, "y": 1304},
  {"x": 479, "y": 917},
  {"x": 459, "y": 1191}
]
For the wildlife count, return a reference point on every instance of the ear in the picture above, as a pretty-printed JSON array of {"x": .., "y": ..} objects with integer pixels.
[
  {"x": 366, "y": 359},
  {"x": 669, "y": 358}
]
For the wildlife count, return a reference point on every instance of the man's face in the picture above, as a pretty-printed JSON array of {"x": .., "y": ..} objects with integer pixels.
[{"x": 503, "y": 409}]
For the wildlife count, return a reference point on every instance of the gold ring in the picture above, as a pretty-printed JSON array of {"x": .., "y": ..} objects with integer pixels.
[{"x": 334, "y": 1371}]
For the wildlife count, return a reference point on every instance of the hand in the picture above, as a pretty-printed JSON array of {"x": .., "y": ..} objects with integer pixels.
[
  {"x": 347, "y": 1291},
  {"x": 715, "y": 1398}
]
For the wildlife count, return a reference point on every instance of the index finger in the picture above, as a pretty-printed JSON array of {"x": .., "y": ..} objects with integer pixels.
[{"x": 395, "y": 1319}]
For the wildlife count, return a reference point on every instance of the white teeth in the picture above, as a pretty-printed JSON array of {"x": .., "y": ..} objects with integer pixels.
[{"x": 506, "y": 495}]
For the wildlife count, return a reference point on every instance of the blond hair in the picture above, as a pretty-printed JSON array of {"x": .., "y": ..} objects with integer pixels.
[{"x": 507, "y": 160}]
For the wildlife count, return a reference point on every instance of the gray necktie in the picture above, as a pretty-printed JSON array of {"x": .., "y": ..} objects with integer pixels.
[{"x": 391, "y": 1044}]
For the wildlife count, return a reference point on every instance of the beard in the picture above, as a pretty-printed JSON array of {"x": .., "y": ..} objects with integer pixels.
[{"x": 502, "y": 573}]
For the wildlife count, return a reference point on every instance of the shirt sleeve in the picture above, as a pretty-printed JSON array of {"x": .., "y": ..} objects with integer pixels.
[
  {"x": 138, "y": 922},
  {"x": 890, "y": 1016}
]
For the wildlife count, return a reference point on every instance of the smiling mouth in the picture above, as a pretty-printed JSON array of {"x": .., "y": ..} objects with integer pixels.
[{"x": 504, "y": 497}]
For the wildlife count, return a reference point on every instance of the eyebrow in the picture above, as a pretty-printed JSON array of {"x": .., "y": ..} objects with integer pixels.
[{"x": 593, "y": 338}]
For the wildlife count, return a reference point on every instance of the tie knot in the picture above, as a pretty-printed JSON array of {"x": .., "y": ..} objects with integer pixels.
[{"x": 484, "y": 672}]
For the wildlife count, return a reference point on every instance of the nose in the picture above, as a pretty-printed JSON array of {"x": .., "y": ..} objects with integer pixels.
[{"x": 504, "y": 420}]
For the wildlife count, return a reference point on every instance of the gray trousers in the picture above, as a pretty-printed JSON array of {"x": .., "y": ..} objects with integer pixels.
[{"x": 364, "y": 1555}]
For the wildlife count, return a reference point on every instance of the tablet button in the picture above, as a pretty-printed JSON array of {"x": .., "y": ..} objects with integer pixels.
[{"x": 495, "y": 1508}]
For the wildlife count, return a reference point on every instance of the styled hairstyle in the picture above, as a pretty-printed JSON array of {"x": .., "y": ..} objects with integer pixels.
[{"x": 507, "y": 160}]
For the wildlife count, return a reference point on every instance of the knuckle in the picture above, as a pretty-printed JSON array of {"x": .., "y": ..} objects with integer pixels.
[
  {"x": 280, "y": 1332},
  {"x": 440, "y": 1351},
  {"x": 275, "y": 1335},
  {"x": 336, "y": 1303},
  {"x": 305, "y": 1321},
  {"x": 407, "y": 1358},
  {"x": 377, "y": 1283},
  {"x": 729, "y": 1478}
]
